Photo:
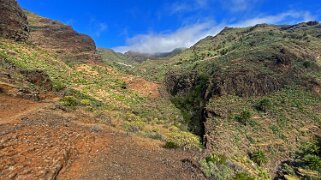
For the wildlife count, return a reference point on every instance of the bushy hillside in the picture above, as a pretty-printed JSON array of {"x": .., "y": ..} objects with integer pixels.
[
  {"x": 251, "y": 95},
  {"x": 116, "y": 98},
  {"x": 117, "y": 60},
  {"x": 251, "y": 90}
]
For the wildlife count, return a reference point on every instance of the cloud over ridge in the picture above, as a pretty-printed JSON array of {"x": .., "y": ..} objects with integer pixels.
[
  {"x": 164, "y": 42},
  {"x": 188, "y": 35}
]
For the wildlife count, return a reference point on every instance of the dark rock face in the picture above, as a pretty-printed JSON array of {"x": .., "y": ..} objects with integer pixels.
[
  {"x": 312, "y": 23},
  {"x": 62, "y": 39},
  {"x": 180, "y": 83},
  {"x": 56, "y": 35},
  {"x": 240, "y": 83},
  {"x": 246, "y": 84},
  {"x": 39, "y": 78},
  {"x": 13, "y": 21}
]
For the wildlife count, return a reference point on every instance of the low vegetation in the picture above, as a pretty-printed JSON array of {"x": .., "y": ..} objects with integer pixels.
[
  {"x": 220, "y": 167},
  {"x": 100, "y": 89},
  {"x": 261, "y": 97},
  {"x": 244, "y": 118},
  {"x": 258, "y": 157},
  {"x": 306, "y": 163}
]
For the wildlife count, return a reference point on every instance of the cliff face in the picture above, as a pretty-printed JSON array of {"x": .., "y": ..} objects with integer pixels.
[
  {"x": 13, "y": 22},
  {"x": 62, "y": 39}
]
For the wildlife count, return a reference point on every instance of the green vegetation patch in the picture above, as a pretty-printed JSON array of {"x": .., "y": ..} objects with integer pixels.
[{"x": 220, "y": 167}]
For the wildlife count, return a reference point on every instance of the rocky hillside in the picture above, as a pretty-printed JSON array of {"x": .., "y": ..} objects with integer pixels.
[
  {"x": 252, "y": 95},
  {"x": 55, "y": 104},
  {"x": 55, "y": 36},
  {"x": 251, "y": 90},
  {"x": 13, "y": 22},
  {"x": 244, "y": 104}
]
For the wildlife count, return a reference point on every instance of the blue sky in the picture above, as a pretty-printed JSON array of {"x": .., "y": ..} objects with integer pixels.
[{"x": 162, "y": 25}]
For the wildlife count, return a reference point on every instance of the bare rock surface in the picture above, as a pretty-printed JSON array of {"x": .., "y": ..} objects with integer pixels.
[
  {"x": 62, "y": 39},
  {"x": 13, "y": 22}
]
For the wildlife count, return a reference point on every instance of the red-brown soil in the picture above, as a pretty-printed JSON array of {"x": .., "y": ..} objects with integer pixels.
[
  {"x": 44, "y": 141},
  {"x": 142, "y": 87}
]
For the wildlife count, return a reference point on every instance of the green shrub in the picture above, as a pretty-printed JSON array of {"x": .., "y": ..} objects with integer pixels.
[
  {"x": 258, "y": 157},
  {"x": 264, "y": 105},
  {"x": 70, "y": 101},
  {"x": 310, "y": 148},
  {"x": 243, "y": 176},
  {"x": 308, "y": 158},
  {"x": 171, "y": 145},
  {"x": 244, "y": 118},
  {"x": 307, "y": 64},
  {"x": 186, "y": 140},
  {"x": 154, "y": 135},
  {"x": 82, "y": 99},
  {"x": 216, "y": 167},
  {"x": 313, "y": 162},
  {"x": 287, "y": 169},
  {"x": 135, "y": 126},
  {"x": 85, "y": 102},
  {"x": 58, "y": 86},
  {"x": 216, "y": 159},
  {"x": 223, "y": 52}
]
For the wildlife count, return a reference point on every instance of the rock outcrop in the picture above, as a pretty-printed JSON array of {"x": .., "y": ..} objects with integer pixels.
[
  {"x": 39, "y": 78},
  {"x": 62, "y": 39},
  {"x": 13, "y": 21}
]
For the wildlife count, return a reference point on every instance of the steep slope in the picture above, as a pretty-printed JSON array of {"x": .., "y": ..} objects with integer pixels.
[
  {"x": 13, "y": 22},
  {"x": 62, "y": 117},
  {"x": 72, "y": 46},
  {"x": 251, "y": 90}
]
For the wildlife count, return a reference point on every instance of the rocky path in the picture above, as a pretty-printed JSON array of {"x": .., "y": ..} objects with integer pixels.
[
  {"x": 41, "y": 141},
  {"x": 13, "y": 108}
]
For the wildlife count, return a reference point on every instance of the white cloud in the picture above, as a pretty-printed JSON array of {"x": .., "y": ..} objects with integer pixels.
[
  {"x": 188, "y": 35},
  {"x": 290, "y": 17},
  {"x": 164, "y": 42}
]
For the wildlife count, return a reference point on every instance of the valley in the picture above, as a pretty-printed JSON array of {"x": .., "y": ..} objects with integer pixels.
[{"x": 244, "y": 104}]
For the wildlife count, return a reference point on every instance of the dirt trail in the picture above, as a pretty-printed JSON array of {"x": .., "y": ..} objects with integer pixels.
[
  {"x": 41, "y": 141},
  {"x": 12, "y": 107}
]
